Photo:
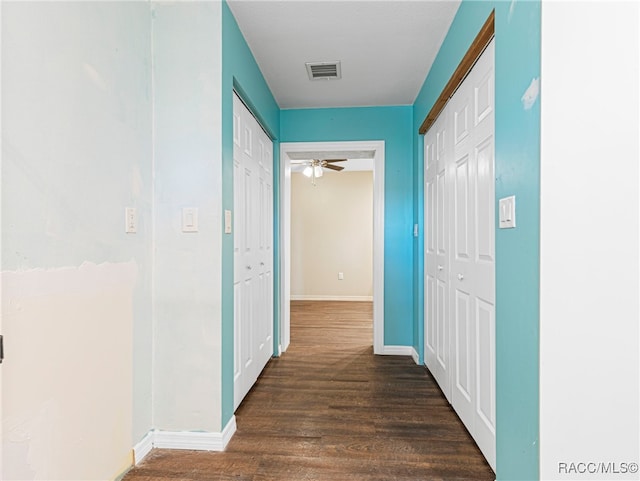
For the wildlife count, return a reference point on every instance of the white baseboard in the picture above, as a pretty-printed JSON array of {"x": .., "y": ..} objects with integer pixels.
[
  {"x": 198, "y": 441},
  {"x": 415, "y": 356},
  {"x": 228, "y": 432},
  {"x": 143, "y": 448},
  {"x": 332, "y": 298},
  {"x": 397, "y": 351}
]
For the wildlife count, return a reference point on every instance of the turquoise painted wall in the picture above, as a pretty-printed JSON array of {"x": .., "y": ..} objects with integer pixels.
[
  {"x": 241, "y": 72},
  {"x": 517, "y": 164},
  {"x": 394, "y": 126}
]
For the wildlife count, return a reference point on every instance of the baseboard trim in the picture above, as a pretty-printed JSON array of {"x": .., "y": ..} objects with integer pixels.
[
  {"x": 415, "y": 356},
  {"x": 397, "y": 351},
  {"x": 332, "y": 298},
  {"x": 143, "y": 448},
  {"x": 228, "y": 432},
  {"x": 198, "y": 441}
]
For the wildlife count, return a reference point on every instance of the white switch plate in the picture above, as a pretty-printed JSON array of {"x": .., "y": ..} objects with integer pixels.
[
  {"x": 130, "y": 220},
  {"x": 340, "y": 276},
  {"x": 190, "y": 219},
  {"x": 507, "y": 208},
  {"x": 227, "y": 222}
]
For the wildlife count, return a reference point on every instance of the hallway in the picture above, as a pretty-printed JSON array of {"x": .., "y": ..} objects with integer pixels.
[{"x": 329, "y": 410}]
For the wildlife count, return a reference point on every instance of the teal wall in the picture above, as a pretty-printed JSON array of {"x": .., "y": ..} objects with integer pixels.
[
  {"x": 241, "y": 72},
  {"x": 393, "y": 125},
  {"x": 517, "y": 173},
  {"x": 517, "y": 163}
]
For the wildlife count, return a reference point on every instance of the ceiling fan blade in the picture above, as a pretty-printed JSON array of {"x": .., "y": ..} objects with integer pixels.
[
  {"x": 333, "y": 167},
  {"x": 335, "y": 160}
]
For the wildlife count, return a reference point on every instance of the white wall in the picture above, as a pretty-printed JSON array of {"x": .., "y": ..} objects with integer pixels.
[
  {"x": 589, "y": 366},
  {"x": 107, "y": 334},
  {"x": 331, "y": 232},
  {"x": 187, "y": 64},
  {"x": 76, "y": 290}
]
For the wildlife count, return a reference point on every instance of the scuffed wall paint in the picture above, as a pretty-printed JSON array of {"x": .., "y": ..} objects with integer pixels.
[
  {"x": 67, "y": 375},
  {"x": 76, "y": 150},
  {"x": 531, "y": 94}
]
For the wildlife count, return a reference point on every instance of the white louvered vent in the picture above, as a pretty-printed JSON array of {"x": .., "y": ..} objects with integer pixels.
[{"x": 323, "y": 70}]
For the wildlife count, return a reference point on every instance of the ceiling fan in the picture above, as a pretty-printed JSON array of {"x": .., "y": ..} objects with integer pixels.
[{"x": 314, "y": 168}]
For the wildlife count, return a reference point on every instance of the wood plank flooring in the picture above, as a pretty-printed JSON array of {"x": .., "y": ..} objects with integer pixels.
[{"x": 329, "y": 410}]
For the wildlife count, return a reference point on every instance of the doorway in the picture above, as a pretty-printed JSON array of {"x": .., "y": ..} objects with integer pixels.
[{"x": 375, "y": 151}]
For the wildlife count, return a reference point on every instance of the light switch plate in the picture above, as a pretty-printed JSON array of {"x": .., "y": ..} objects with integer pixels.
[
  {"x": 227, "y": 222},
  {"x": 190, "y": 219},
  {"x": 507, "y": 208},
  {"x": 130, "y": 220}
]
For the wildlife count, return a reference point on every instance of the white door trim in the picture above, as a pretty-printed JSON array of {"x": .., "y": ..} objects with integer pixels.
[{"x": 378, "y": 231}]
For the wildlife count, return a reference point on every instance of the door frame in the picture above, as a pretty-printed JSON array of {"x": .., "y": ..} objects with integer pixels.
[{"x": 378, "y": 147}]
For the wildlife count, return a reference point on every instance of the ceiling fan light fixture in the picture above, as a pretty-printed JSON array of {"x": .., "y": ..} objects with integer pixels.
[
  {"x": 308, "y": 171},
  {"x": 318, "y": 171}
]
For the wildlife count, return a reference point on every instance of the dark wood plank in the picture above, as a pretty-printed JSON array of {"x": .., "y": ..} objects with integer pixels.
[
  {"x": 478, "y": 45},
  {"x": 329, "y": 409}
]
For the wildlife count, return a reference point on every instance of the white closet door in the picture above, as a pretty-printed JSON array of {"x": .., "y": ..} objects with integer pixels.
[
  {"x": 253, "y": 253},
  {"x": 437, "y": 332},
  {"x": 473, "y": 253},
  {"x": 484, "y": 294},
  {"x": 460, "y": 253},
  {"x": 264, "y": 333},
  {"x": 461, "y": 175}
]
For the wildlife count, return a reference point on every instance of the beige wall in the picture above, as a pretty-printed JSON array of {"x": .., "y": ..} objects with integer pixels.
[
  {"x": 67, "y": 392},
  {"x": 332, "y": 232}
]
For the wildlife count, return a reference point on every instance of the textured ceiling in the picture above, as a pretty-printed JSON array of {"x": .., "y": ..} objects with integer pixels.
[{"x": 386, "y": 47}]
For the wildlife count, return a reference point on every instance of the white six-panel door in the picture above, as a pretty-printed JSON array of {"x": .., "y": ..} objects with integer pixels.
[
  {"x": 465, "y": 311},
  {"x": 253, "y": 249},
  {"x": 437, "y": 336}
]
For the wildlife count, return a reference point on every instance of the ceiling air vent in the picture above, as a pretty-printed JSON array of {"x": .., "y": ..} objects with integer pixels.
[{"x": 323, "y": 70}]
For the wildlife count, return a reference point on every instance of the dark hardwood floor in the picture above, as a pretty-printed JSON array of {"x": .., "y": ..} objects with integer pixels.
[{"x": 329, "y": 410}]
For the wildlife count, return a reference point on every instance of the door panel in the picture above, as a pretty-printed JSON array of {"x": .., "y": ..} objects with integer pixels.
[
  {"x": 430, "y": 324},
  {"x": 237, "y": 334},
  {"x": 485, "y": 326},
  {"x": 485, "y": 199},
  {"x": 461, "y": 234},
  {"x": 442, "y": 325},
  {"x": 441, "y": 235},
  {"x": 483, "y": 96},
  {"x": 485, "y": 417},
  {"x": 462, "y": 389},
  {"x": 461, "y": 123}
]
